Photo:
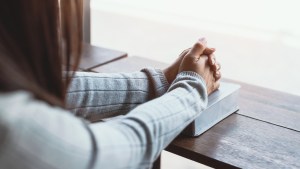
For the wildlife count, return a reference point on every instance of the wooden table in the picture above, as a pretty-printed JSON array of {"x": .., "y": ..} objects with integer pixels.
[
  {"x": 264, "y": 133},
  {"x": 129, "y": 64},
  {"x": 93, "y": 56}
]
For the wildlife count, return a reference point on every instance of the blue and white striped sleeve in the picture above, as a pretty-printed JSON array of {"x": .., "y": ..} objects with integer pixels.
[
  {"x": 95, "y": 96},
  {"x": 137, "y": 139},
  {"x": 37, "y": 135}
]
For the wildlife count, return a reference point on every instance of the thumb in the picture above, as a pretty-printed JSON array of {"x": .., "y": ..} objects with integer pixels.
[{"x": 198, "y": 48}]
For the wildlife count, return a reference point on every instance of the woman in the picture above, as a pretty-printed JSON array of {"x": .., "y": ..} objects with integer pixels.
[{"x": 38, "y": 103}]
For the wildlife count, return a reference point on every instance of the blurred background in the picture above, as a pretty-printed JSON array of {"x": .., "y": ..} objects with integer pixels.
[{"x": 257, "y": 41}]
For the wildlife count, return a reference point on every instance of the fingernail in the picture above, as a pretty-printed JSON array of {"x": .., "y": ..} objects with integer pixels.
[{"x": 202, "y": 39}]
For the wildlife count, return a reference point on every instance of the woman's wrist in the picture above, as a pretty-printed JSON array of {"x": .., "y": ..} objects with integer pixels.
[{"x": 170, "y": 74}]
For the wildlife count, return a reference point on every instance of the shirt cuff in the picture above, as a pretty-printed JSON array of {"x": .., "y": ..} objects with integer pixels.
[{"x": 158, "y": 80}]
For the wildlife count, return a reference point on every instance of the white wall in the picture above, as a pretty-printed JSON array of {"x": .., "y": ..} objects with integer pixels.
[{"x": 257, "y": 41}]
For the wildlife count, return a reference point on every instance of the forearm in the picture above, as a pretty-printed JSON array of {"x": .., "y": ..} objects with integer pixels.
[
  {"x": 100, "y": 95},
  {"x": 42, "y": 136},
  {"x": 148, "y": 129}
]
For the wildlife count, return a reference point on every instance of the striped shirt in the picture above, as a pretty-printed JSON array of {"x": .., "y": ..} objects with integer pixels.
[{"x": 34, "y": 134}]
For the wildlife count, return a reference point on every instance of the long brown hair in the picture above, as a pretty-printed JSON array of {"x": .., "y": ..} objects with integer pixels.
[{"x": 37, "y": 39}]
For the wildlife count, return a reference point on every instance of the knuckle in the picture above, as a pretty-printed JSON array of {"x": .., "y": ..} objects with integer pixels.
[
  {"x": 189, "y": 58},
  {"x": 198, "y": 45},
  {"x": 214, "y": 67}
]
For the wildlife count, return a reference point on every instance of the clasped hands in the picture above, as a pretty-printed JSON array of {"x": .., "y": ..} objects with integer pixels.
[{"x": 199, "y": 59}]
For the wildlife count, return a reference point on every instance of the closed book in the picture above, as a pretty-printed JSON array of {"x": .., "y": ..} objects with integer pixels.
[{"x": 221, "y": 104}]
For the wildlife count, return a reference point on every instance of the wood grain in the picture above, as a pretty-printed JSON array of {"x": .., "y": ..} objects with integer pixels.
[
  {"x": 129, "y": 64},
  {"x": 270, "y": 106},
  {"x": 93, "y": 56},
  {"x": 243, "y": 142},
  {"x": 264, "y": 133}
]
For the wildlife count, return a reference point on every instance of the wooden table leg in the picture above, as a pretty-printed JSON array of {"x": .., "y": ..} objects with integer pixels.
[{"x": 156, "y": 164}]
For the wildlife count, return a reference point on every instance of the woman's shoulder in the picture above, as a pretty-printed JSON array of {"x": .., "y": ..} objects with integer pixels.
[
  {"x": 34, "y": 129},
  {"x": 14, "y": 109},
  {"x": 20, "y": 108},
  {"x": 12, "y": 102},
  {"x": 21, "y": 113}
]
